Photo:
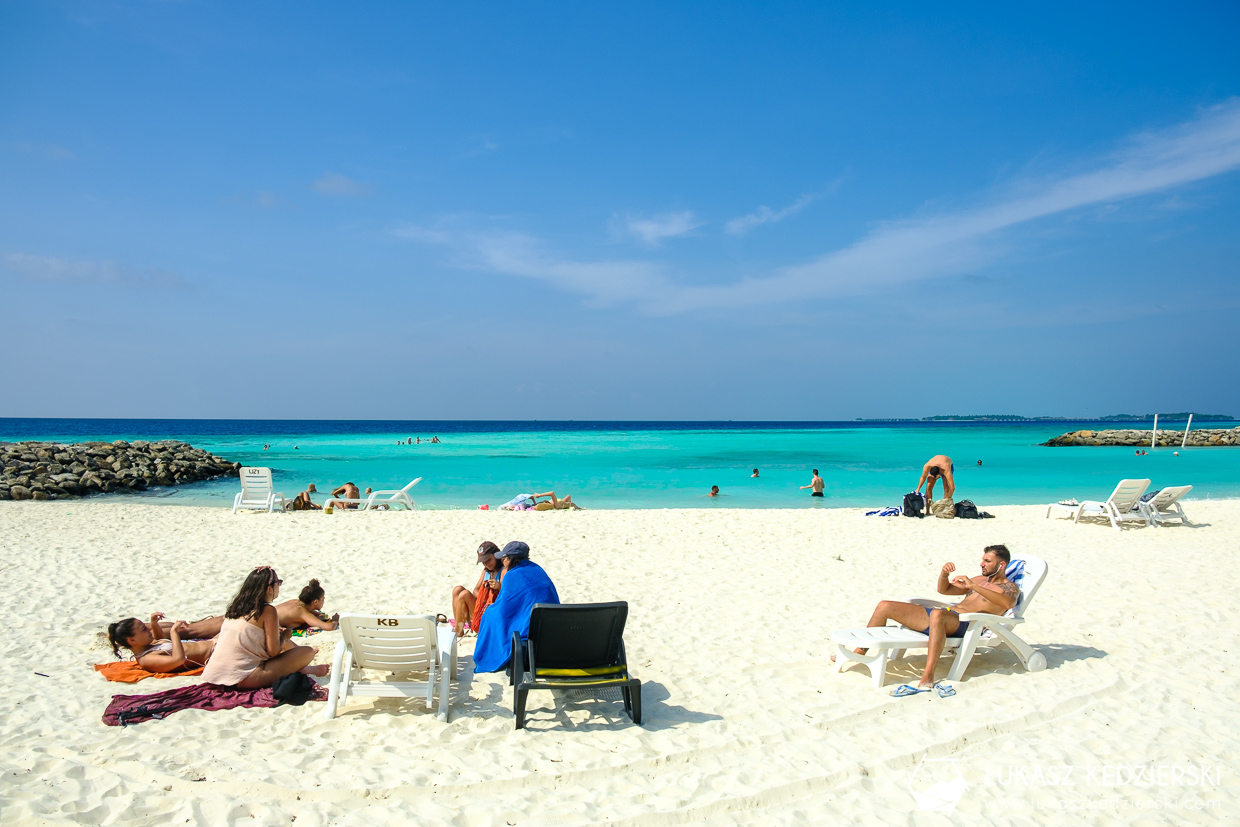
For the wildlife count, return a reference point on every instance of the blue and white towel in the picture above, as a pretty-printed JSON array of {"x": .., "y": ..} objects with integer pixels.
[
  {"x": 889, "y": 511},
  {"x": 1016, "y": 573}
]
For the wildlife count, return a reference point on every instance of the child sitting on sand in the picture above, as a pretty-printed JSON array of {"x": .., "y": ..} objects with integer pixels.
[
  {"x": 306, "y": 612},
  {"x": 251, "y": 652},
  {"x": 153, "y": 653}
]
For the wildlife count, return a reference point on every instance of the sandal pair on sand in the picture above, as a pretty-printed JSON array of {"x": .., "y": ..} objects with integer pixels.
[{"x": 943, "y": 690}]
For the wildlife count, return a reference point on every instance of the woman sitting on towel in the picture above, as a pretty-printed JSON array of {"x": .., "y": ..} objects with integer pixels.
[
  {"x": 154, "y": 653},
  {"x": 306, "y": 612},
  {"x": 525, "y": 583},
  {"x": 251, "y": 652}
]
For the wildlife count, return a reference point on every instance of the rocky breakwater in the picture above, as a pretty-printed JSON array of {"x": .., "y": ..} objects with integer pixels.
[
  {"x": 56, "y": 471},
  {"x": 1203, "y": 438}
]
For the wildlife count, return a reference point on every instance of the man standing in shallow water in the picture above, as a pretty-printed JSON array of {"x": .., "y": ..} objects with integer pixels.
[{"x": 816, "y": 484}]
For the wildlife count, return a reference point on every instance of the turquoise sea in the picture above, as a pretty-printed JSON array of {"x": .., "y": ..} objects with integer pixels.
[{"x": 662, "y": 464}]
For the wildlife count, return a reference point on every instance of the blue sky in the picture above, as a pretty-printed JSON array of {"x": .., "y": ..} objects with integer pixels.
[{"x": 642, "y": 211}]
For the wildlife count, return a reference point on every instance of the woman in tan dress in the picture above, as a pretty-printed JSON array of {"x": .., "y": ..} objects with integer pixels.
[{"x": 251, "y": 652}]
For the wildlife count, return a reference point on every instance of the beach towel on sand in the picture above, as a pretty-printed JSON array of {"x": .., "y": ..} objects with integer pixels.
[
  {"x": 524, "y": 585},
  {"x": 128, "y": 671},
  {"x": 134, "y": 709}
]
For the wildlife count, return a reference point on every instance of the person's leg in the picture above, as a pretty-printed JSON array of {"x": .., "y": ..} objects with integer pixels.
[
  {"x": 906, "y": 614},
  {"x": 204, "y": 629},
  {"x": 285, "y": 663},
  {"x": 942, "y": 624},
  {"x": 463, "y": 602}
]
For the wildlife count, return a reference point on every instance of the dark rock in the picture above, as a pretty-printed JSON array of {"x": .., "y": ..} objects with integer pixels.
[
  {"x": 39, "y": 495},
  {"x": 19, "y": 492}
]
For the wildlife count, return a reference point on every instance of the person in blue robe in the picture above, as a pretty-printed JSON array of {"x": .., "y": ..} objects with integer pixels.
[{"x": 525, "y": 583}]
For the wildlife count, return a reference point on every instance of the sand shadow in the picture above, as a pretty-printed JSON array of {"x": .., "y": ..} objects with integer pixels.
[
  {"x": 546, "y": 710},
  {"x": 998, "y": 661},
  {"x": 550, "y": 709}
]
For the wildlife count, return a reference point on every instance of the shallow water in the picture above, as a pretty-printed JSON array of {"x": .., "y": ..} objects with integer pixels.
[{"x": 662, "y": 464}]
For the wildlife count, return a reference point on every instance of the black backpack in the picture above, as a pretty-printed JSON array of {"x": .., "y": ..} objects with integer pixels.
[
  {"x": 914, "y": 504},
  {"x": 293, "y": 689},
  {"x": 966, "y": 510}
]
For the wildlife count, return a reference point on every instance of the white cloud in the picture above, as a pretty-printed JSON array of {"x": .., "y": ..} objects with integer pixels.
[
  {"x": 765, "y": 215},
  {"x": 340, "y": 186},
  {"x": 894, "y": 253},
  {"x": 47, "y": 268},
  {"x": 651, "y": 231}
]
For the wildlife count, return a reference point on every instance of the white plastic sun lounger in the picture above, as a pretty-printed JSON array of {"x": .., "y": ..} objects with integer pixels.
[
  {"x": 1165, "y": 506},
  {"x": 402, "y": 646},
  {"x": 986, "y": 631},
  {"x": 1124, "y": 505},
  {"x": 257, "y": 491},
  {"x": 379, "y": 500}
]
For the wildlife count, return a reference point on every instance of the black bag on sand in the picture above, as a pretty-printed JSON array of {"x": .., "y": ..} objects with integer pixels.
[
  {"x": 293, "y": 689},
  {"x": 914, "y": 505},
  {"x": 966, "y": 510}
]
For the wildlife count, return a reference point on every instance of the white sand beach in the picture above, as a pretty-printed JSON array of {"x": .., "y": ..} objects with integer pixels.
[{"x": 730, "y": 614}]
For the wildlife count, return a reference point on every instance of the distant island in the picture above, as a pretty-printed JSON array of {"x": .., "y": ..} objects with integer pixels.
[{"x": 1168, "y": 417}]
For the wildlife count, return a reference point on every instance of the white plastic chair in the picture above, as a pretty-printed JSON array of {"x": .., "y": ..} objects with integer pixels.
[
  {"x": 374, "y": 501},
  {"x": 1165, "y": 505},
  {"x": 257, "y": 490},
  {"x": 1124, "y": 505},
  {"x": 883, "y": 643},
  {"x": 399, "y": 645}
]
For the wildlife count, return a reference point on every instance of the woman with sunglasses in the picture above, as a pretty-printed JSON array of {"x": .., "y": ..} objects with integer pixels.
[{"x": 251, "y": 652}]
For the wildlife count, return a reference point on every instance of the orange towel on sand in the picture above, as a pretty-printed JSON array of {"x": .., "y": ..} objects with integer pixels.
[{"x": 128, "y": 671}]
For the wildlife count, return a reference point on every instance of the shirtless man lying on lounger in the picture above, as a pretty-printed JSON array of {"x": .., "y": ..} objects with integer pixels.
[{"x": 990, "y": 592}]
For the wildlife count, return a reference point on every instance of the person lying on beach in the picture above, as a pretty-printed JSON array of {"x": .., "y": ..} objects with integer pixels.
[
  {"x": 302, "y": 501},
  {"x": 252, "y": 652},
  {"x": 469, "y": 606},
  {"x": 939, "y": 467},
  {"x": 525, "y": 583},
  {"x": 306, "y": 612},
  {"x": 554, "y": 502},
  {"x": 349, "y": 492},
  {"x": 155, "y": 653},
  {"x": 990, "y": 592}
]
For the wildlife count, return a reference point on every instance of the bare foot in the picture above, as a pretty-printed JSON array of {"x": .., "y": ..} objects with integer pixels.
[{"x": 320, "y": 671}]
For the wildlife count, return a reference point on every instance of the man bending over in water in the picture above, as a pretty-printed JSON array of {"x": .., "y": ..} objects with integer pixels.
[
  {"x": 940, "y": 467},
  {"x": 990, "y": 592}
]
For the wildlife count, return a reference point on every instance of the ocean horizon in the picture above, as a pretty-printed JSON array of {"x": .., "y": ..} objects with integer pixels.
[{"x": 659, "y": 464}]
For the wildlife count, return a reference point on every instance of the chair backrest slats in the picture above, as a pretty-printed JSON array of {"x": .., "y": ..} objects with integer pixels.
[
  {"x": 1035, "y": 572},
  {"x": 1169, "y": 496},
  {"x": 581, "y": 635},
  {"x": 255, "y": 482},
  {"x": 1127, "y": 494},
  {"x": 399, "y": 643}
]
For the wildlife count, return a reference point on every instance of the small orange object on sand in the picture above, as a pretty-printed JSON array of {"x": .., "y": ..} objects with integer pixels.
[{"x": 128, "y": 671}]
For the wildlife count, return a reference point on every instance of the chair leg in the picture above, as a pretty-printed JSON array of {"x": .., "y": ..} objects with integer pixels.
[
  {"x": 634, "y": 696},
  {"x": 333, "y": 691},
  {"x": 518, "y": 706},
  {"x": 964, "y": 654}
]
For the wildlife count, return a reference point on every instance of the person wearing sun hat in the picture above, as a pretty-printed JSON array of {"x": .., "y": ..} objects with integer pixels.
[
  {"x": 469, "y": 606},
  {"x": 525, "y": 583}
]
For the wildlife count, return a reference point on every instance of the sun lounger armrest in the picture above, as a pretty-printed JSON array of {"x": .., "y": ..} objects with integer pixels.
[{"x": 987, "y": 619}]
